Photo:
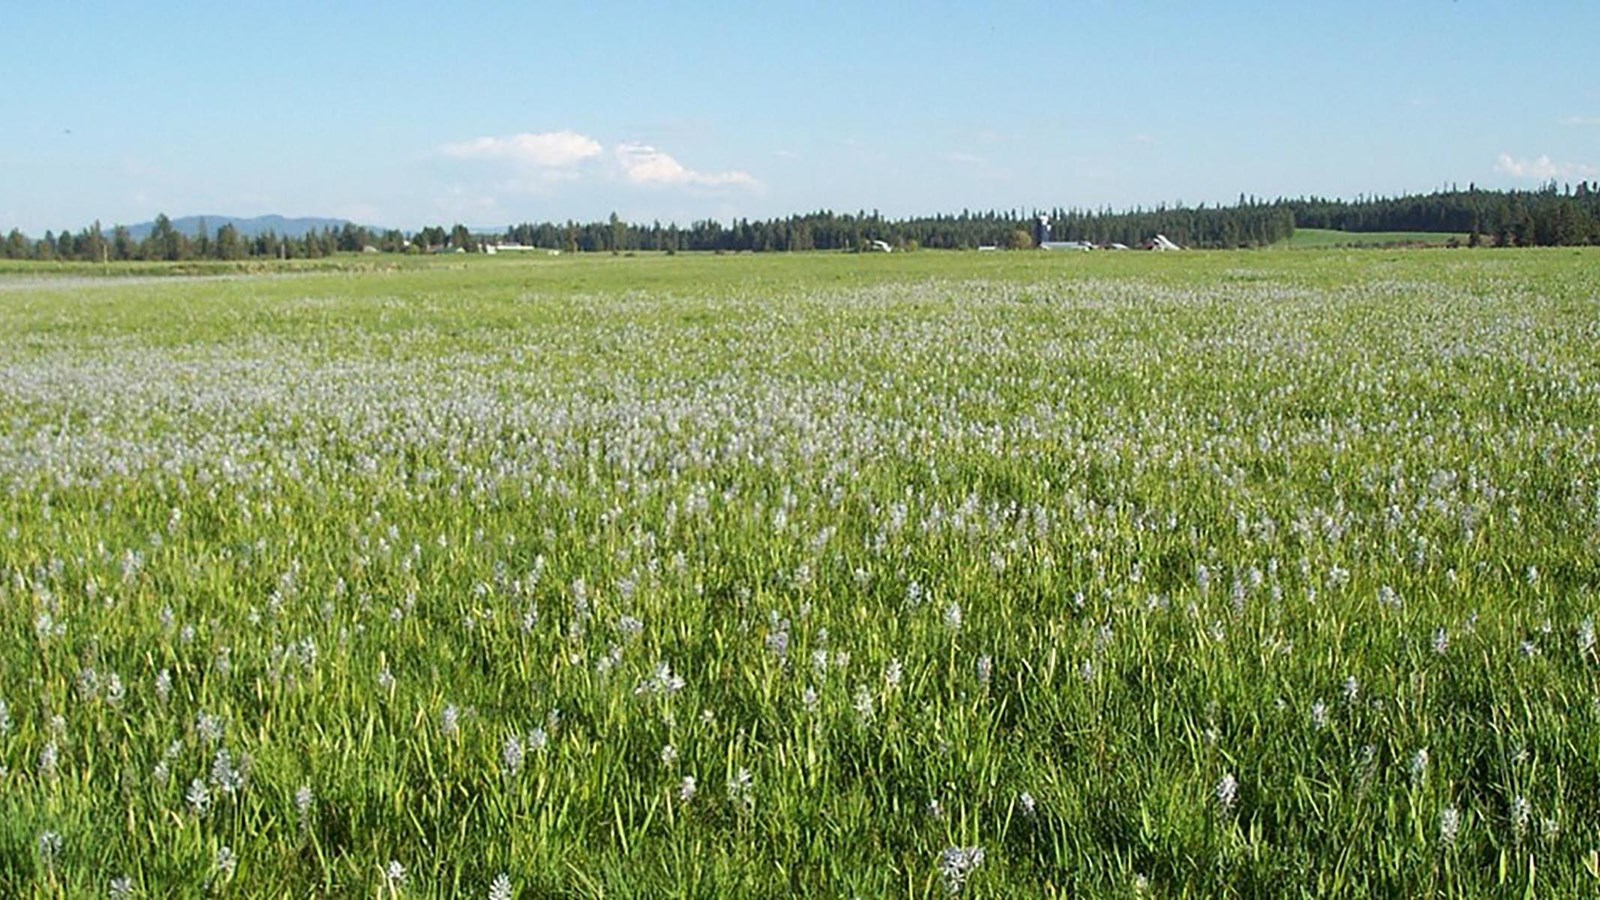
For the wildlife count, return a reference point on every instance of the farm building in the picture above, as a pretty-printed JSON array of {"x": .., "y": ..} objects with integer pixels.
[
  {"x": 1041, "y": 230},
  {"x": 1041, "y": 237}
]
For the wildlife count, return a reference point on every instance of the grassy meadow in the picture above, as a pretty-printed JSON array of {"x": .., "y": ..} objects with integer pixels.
[
  {"x": 1110, "y": 575},
  {"x": 1323, "y": 238}
]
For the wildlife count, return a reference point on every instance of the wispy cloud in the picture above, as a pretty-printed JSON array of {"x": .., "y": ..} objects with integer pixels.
[
  {"x": 644, "y": 164},
  {"x": 533, "y": 163},
  {"x": 1581, "y": 121},
  {"x": 1542, "y": 168},
  {"x": 551, "y": 149}
]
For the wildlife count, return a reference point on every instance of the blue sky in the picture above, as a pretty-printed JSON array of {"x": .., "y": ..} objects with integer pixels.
[{"x": 405, "y": 114}]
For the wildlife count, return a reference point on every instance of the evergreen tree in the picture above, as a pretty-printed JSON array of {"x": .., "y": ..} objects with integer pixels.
[
  {"x": 164, "y": 241},
  {"x": 228, "y": 245}
]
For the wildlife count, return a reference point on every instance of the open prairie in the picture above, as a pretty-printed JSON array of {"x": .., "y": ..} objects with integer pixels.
[
  {"x": 1322, "y": 238},
  {"x": 1200, "y": 574}
]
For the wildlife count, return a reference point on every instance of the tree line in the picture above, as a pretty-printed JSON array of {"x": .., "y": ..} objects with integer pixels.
[
  {"x": 165, "y": 242},
  {"x": 967, "y": 230},
  {"x": 1553, "y": 215}
]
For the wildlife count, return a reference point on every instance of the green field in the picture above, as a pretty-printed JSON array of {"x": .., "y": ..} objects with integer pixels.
[
  {"x": 1322, "y": 238},
  {"x": 1200, "y": 574}
]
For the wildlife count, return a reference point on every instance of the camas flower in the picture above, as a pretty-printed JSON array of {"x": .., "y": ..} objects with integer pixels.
[
  {"x": 198, "y": 797},
  {"x": 952, "y": 616},
  {"x": 1227, "y": 792},
  {"x": 1449, "y": 825},
  {"x": 956, "y": 865}
]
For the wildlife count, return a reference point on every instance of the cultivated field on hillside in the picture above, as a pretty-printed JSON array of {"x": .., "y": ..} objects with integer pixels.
[{"x": 1202, "y": 574}]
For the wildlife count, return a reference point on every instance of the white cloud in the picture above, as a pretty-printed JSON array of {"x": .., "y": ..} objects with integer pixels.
[
  {"x": 538, "y": 161},
  {"x": 644, "y": 164},
  {"x": 551, "y": 149},
  {"x": 1543, "y": 168},
  {"x": 1581, "y": 121}
]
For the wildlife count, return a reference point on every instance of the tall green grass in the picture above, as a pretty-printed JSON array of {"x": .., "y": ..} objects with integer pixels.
[{"x": 1195, "y": 575}]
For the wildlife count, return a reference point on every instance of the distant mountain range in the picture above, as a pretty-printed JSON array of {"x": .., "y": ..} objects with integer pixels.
[{"x": 283, "y": 227}]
